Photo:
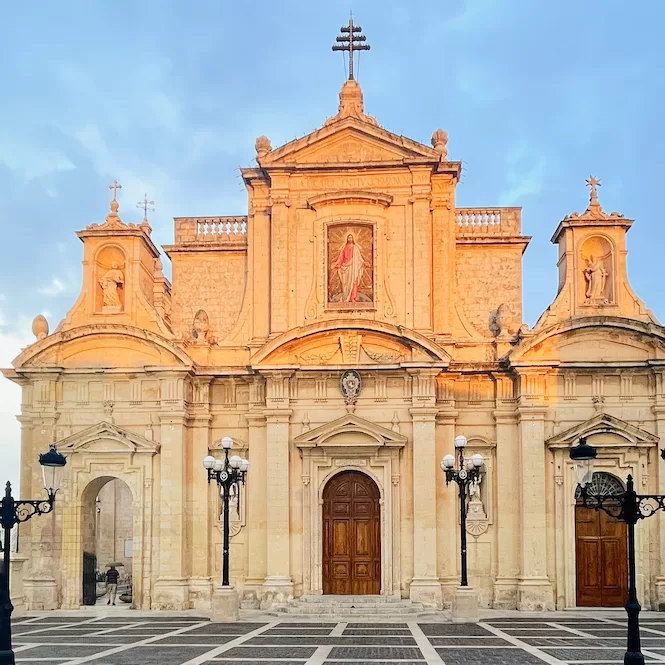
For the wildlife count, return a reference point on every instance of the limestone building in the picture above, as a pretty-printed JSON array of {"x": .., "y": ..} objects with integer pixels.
[{"x": 353, "y": 261}]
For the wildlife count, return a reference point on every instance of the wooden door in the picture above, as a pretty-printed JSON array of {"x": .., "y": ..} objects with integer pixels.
[
  {"x": 351, "y": 535},
  {"x": 602, "y": 550}
]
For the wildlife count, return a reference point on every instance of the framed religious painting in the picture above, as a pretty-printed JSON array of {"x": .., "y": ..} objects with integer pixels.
[{"x": 350, "y": 265}]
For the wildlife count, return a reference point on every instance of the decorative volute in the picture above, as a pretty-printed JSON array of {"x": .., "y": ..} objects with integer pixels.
[{"x": 592, "y": 266}]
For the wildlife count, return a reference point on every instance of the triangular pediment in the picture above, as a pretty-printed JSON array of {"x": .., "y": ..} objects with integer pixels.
[
  {"x": 350, "y": 430},
  {"x": 604, "y": 429},
  {"x": 350, "y": 141},
  {"x": 105, "y": 437}
]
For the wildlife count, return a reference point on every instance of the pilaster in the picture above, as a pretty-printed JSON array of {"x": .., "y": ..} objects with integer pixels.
[
  {"x": 279, "y": 250},
  {"x": 534, "y": 590},
  {"x": 425, "y": 586},
  {"x": 422, "y": 256},
  {"x": 257, "y": 485},
  {"x": 659, "y": 567},
  {"x": 171, "y": 590},
  {"x": 278, "y": 585}
]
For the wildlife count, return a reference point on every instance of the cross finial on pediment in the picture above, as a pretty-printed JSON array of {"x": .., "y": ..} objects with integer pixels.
[
  {"x": 593, "y": 183},
  {"x": 351, "y": 40}
]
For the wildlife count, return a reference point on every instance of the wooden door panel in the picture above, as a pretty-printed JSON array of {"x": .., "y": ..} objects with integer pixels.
[
  {"x": 351, "y": 532},
  {"x": 601, "y": 551}
]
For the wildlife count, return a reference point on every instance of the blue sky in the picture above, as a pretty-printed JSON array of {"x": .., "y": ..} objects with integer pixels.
[{"x": 168, "y": 97}]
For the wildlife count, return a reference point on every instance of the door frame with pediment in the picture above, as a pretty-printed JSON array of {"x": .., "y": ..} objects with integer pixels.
[
  {"x": 106, "y": 451},
  {"x": 622, "y": 449},
  {"x": 350, "y": 443}
]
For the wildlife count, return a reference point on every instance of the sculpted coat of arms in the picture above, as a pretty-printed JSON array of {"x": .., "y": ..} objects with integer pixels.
[{"x": 350, "y": 385}]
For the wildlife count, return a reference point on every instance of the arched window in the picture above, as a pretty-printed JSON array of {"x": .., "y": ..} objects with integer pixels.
[{"x": 604, "y": 484}]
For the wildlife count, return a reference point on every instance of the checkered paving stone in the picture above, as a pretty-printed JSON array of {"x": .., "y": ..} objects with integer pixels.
[{"x": 159, "y": 640}]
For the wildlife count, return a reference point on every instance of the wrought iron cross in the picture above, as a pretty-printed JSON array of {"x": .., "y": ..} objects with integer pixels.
[
  {"x": 115, "y": 187},
  {"x": 146, "y": 205},
  {"x": 351, "y": 40},
  {"x": 593, "y": 182}
]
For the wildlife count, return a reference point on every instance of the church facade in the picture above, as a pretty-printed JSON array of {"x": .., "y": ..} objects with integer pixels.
[{"x": 342, "y": 334}]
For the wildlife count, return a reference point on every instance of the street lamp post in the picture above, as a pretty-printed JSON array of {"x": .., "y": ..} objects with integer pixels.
[
  {"x": 629, "y": 507},
  {"x": 13, "y": 512},
  {"x": 468, "y": 472},
  {"x": 229, "y": 473}
]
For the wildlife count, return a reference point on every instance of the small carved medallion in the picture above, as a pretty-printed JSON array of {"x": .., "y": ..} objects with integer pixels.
[{"x": 350, "y": 385}]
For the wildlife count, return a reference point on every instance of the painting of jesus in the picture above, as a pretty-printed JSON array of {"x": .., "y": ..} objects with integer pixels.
[{"x": 350, "y": 265}]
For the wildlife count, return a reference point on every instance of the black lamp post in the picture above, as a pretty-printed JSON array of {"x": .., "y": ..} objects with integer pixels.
[
  {"x": 629, "y": 507},
  {"x": 11, "y": 513},
  {"x": 466, "y": 474},
  {"x": 228, "y": 473}
]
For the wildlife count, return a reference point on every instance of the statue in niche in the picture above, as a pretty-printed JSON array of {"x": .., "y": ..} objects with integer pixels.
[
  {"x": 111, "y": 281},
  {"x": 596, "y": 279},
  {"x": 476, "y": 510},
  {"x": 201, "y": 328}
]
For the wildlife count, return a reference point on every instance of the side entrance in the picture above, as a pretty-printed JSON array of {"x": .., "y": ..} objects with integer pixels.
[
  {"x": 351, "y": 535},
  {"x": 601, "y": 551}
]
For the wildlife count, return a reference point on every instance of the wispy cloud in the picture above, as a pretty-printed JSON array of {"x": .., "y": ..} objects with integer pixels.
[{"x": 53, "y": 288}]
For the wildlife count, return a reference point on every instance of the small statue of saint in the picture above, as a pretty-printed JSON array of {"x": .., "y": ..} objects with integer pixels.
[
  {"x": 596, "y": 278},
  {"x": 110, "y": 282}
]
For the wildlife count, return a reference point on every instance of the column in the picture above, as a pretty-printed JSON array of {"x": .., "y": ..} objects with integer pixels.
[
  {"x": 279, "y": 250},
  {"x": 447, "y": 500},
  {"x": 258, "y": 250},
  {"x": 278, "y": 585},
  {"x": 171, "y": 590},
  {"x": 422, "y": 250},
  {"x": 507, "y": 516},
  {"x": 659, "y": 414},
  {"x": 534, "y": 590},
  {"x": 425, "y": 586},
  {"x": 201, "y": 580},
  {"x": 257, "y": 484}
]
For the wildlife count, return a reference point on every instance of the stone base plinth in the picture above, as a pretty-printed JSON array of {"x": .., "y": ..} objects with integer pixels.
[
  {"x": 17, "y": 586},
  {"x": 505, "y": 594},
  {"x": 171, "y": 593},
  {"x": 426, "y": 591},
  {"x": 465, "y": 605},
  {"x": 225, "y": 605},
  {"x": 276, "y": 590},
  {"x": 534, "y": 594},
  {"x": 659, "y": 594},
  {"x": 41, "y": 593},
  {"x": 200, "y": 593}
]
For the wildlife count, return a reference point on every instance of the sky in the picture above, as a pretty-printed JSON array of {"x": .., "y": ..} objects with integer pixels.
[{"x": 168, "y": 98}]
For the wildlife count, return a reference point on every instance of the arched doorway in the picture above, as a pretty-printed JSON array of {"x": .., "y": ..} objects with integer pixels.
[
  {"x": 601, "y": 549},
  {"x": 351, "y": 535},
  {"x": 107, "y": 524}
]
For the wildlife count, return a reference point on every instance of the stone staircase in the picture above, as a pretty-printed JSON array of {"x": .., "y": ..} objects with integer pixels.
[{"x": 328, "y": 605}]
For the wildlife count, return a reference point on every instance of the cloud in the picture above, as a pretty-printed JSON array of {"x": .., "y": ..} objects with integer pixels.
[
  {"x": 525, "y": 173},
  {"x": 52, "y": 289}
]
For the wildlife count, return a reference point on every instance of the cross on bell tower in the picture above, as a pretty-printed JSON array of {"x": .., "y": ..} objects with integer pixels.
[{"x": 351, "y": 40}]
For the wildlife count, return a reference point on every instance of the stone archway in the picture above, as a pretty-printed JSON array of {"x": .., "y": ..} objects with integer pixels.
[
  {"x": 107, "y": 536},
  {"x": 600, "y": 549},
  {"x": 351, "y": 535}
]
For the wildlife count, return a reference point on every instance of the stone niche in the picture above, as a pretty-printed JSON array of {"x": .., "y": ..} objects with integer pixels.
[
  {"x": 597, "y": 268},
  {"x": 110, "y": 277}
]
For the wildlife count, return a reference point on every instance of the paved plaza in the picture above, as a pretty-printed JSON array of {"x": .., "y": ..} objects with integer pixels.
[{"x": 157, "y": 639}]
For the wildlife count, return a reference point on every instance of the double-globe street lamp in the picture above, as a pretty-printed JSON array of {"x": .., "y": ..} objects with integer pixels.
[
  {"x": 629, "y": 507},
  {"x": 467, "y": 473},
  {"x": 13, "y": 512},
  {"x": 229, "y": 473}
]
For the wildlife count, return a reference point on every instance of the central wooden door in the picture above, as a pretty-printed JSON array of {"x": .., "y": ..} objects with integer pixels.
[
  {"x": 351, "y": 535},
  {"x": 602, "y": 551}
]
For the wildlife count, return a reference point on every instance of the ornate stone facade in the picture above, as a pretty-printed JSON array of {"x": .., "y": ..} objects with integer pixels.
[{"x": 353, "y": 256}]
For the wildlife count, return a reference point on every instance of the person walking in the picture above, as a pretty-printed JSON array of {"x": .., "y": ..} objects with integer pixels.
[{"x": 112, "y": 584}]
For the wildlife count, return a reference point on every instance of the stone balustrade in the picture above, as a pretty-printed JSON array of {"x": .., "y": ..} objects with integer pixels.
[
  {"x": 489, "y": 221},
  {"x": 211, "y": 230}
]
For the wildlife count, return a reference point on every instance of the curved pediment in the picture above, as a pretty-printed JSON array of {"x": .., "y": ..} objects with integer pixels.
[
  {"x": 344, "y": 342},
  {"x": 351, "y": 431},
  {"x": 592, "y": 341},
  {"x": 101, "y": 346},
  {"x": 106, "y": 438}
]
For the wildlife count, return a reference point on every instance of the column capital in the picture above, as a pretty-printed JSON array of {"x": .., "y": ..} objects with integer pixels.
[
  {"x": 447, "y": 416},
  {"x": 423, "y": 414},
  {"x": 505, "y": 416},
  {"x": 199, "y": 419},
  {"x": 255, "y": 418},
  {"x": 276, "y": 416},
  {"x": 531, "y": 412}
]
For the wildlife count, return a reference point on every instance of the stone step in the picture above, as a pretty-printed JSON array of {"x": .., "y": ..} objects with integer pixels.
[
  {"x": 365, "y": 610},
  {"x": 365, "y": 600}
]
